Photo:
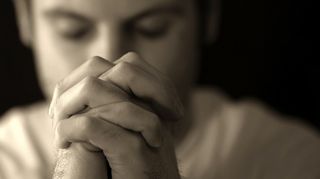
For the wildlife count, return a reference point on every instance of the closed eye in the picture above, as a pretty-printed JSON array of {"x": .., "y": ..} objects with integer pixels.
[
  {"x": 152, "y": 27},
  {"x": 73, "y": 30},
  {"x": 70, "y": 26}
]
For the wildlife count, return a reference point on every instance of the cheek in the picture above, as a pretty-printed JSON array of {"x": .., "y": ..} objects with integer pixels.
[
  {"x": 178, "y": 60},
  {"x": 176, "y": 56},
  {"x": 53, "y": 60}
]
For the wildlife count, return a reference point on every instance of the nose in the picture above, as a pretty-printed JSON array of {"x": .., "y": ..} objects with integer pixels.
[{"x": 109, "y": 43}]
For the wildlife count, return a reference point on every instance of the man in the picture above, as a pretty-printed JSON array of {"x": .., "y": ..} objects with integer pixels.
[{"x": 125, "y": 105}]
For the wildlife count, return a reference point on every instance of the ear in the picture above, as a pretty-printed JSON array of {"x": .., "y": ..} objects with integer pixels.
[
  {"x": 24, "y": 20},
  {"x": 213, "y": 21}
]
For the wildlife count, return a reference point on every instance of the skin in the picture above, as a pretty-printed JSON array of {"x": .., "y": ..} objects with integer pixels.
[
  {"x": 110, "y": 30},
  {"x": 111, "y": 111},
  {"x": 110, "y": 107}
]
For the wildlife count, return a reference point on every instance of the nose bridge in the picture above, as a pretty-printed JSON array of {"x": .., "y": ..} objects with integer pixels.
[{"x": 109, "y": 43}]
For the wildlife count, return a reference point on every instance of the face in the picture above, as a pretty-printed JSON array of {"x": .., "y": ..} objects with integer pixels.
[{"x": 163, "y": 32}]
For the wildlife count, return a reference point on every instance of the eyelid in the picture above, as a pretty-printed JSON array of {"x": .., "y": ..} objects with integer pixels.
[
  {"x": 153, "y": 31},
  {"x": 70, "y": 21},
  {"x": 71, "y": 28},
  {"x": 153, "y": 22}
]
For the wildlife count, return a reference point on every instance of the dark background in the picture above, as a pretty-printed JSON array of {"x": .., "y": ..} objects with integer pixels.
[{"x": 266, "y": 50}]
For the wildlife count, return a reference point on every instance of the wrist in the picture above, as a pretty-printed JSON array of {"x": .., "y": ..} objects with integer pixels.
[{"x": 76, "y": 162}]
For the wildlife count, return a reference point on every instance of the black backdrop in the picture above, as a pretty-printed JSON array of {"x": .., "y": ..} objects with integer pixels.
[{"x": 266, "y": 49}]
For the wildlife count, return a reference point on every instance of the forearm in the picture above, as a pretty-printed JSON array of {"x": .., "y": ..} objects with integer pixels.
[{"x": 78, "y": 163}]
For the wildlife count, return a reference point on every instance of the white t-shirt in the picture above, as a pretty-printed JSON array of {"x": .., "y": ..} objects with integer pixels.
[{"x": 227, "y": 140}]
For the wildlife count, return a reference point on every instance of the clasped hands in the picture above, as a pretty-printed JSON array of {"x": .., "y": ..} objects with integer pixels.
[{"x": 121, "y": 109}]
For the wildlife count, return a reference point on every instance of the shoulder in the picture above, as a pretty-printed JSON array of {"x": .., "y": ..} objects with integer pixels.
[
  {"x": 248, "y": 139},
  {"x": 12, "y": 126},
  {"x": 20, "y": 120},
  {"x": 258, "y": 119},
  {"x": 21, "y": 146},
  {"x": 272, "y": 144}
]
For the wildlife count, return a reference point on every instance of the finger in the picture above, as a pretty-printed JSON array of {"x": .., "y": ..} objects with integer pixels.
[
  {"x": 144, "y": 85},
  {"x": 137, "y": 60},
  {"x": 133, "y": 117},
  {"x": 89, "y": 93},
  {"x": 99, "y": 133},
  {"x": 77, "y": 129},
  {"x": 92, "y": 67}
]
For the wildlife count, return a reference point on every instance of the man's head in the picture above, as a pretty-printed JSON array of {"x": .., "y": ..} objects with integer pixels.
[{"x": 63, "y": 34}]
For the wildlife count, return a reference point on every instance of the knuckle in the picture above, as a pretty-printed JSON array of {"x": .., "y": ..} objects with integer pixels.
[
  {"x": 94, "y": 62},
  {"x": 86, "y": 124},
  {"x": 123, "y": 67},
  {"x": 137, "y": 144},
  {"x": 154, "y": 123},
  {"x": 127, "y": 68},
  {"x": 59, "y": 85},
  {"x": 58, "y": 89},
  {"x": 88, "y": 83},
  {"x": 132, "y": 57}
]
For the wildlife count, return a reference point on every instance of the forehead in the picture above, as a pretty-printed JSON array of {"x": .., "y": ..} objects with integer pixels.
[{"x": 107, "y": 8}]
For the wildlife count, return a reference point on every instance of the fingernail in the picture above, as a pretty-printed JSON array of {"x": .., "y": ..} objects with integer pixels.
[
  {"x": 51, "y": 114},
  {"x": 157, "y": 142},
  {"x": 50, "y": 110}
]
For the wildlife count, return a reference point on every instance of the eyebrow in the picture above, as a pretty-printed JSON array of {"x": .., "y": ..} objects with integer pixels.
[
  {"x": 165, "y": 9},
  {"x": 59, "y": 12},
  {"x": 62, "y": 12}
]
